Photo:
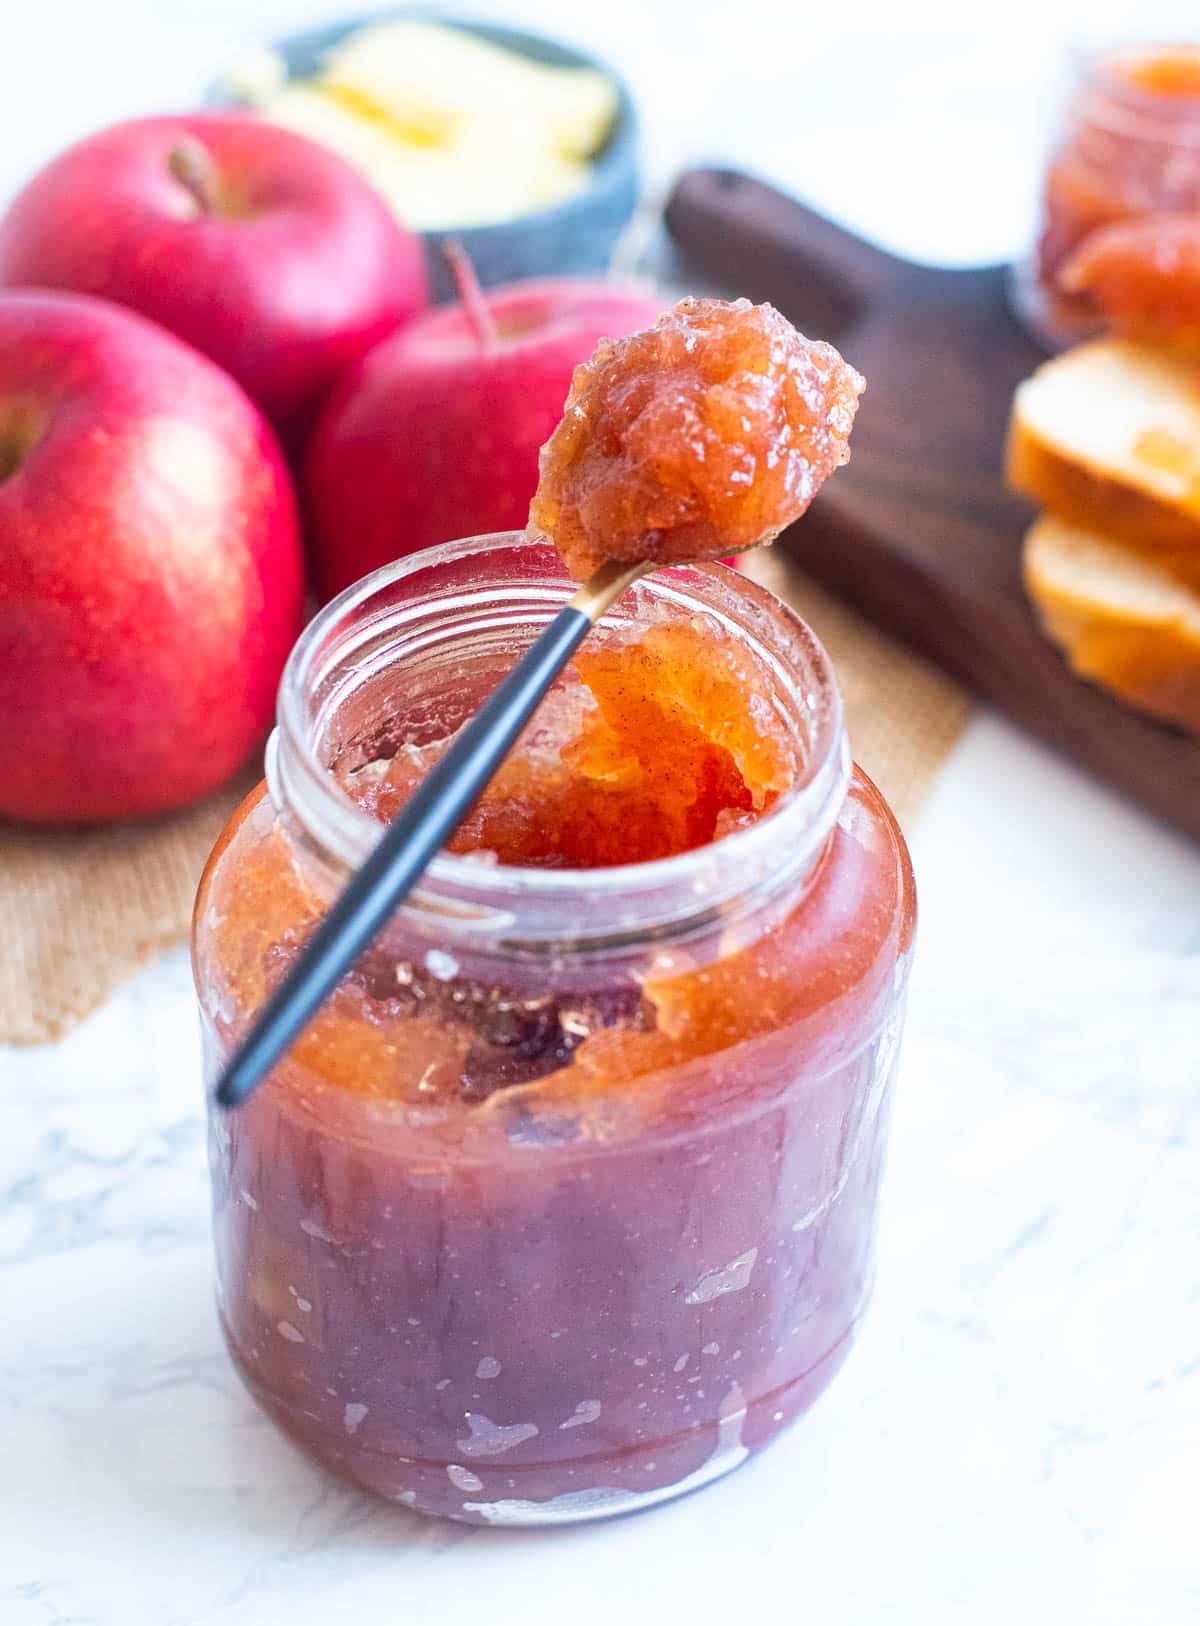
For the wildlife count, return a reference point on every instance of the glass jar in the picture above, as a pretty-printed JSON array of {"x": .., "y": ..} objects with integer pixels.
[
  {"x": 1128, "y": 149},
  {"x": 600, "y": 1282}
]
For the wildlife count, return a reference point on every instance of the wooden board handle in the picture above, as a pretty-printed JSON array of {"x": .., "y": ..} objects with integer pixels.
[{"x": 750, "y": 237}]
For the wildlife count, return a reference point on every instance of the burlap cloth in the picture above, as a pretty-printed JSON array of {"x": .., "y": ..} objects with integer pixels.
[{"x": 82, "y": 911}]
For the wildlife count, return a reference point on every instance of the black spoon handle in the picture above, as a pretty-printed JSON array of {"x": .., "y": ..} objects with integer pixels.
[{"x": 409, "y": 844}]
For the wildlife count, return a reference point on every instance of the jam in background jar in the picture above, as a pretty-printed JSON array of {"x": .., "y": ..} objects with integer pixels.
[
  {"x": 565, "y": 1204},
  {"x": 1128, "y": 154}
]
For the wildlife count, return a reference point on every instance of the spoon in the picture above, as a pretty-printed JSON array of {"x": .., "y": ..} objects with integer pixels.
[
  {"x": 446, "y": 796},
  {"x": 419, "y": 832}
]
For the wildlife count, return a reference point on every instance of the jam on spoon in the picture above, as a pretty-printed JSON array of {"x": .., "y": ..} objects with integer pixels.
[{"x": 706, "y": 434}]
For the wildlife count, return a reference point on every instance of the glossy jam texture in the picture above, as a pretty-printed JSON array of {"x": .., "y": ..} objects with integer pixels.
[
  {"x": 613, "y": 1280},
  {"x": 648, "y": 747},
  {"x": 1120, "y": 244},
  {"x": 1143, "y": 278},
  {"x": 703, "y": 435},
  {"x": 654, "y": 743},
  {"x": 517, "y": 1242}
]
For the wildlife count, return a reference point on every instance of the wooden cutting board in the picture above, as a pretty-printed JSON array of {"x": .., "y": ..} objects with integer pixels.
[{"x": 918, "y": 530}]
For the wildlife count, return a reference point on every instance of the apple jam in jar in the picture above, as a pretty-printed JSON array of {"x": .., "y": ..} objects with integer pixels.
[
  {"x": 1118, "y": 239},
  {"x": 564, "y": 1204}
]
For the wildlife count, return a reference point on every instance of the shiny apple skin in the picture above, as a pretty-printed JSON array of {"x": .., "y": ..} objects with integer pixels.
[
  {"x": 436, "y": 434},
  {"x": 298, "y": 273},
  {"x": 151, "y": 575}
]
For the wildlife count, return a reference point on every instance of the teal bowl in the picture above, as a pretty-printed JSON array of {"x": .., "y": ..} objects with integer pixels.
[{"x": 574, "y": 238}]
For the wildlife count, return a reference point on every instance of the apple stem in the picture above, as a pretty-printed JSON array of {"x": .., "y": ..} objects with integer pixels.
[
  {"x": 190, "y": 163},
  {"x": 21, "y": 427},
  {"x": 470, "y": 293}
]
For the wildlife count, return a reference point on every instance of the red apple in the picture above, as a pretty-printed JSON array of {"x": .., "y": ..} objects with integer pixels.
[
  {"x": 261, "y": 248},
  {"x": 151, "y": 579},
  {"x": 436, "y": 434}
]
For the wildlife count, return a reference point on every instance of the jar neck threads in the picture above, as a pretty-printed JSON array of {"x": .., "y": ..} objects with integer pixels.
[{"x": 409, "y": 630}]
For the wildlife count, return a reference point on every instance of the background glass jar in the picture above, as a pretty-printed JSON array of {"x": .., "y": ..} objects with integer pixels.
[
  {"x": 1127, "y": 148},
  {"x": 566, "y": 1203}
]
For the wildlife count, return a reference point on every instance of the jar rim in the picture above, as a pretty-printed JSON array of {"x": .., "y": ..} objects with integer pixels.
[
  {"x": 1127, "y": 107},
  {"x": 461, "y": 897}
]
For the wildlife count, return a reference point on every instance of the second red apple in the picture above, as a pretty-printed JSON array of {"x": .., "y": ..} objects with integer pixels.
[
  {"x": 151, "y": 576},
  {"x": 265, "y": 251},
  {"x": 436, "y": 434}
]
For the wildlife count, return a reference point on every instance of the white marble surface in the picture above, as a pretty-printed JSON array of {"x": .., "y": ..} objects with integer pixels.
[{"x": 1018, "y": 1434}]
